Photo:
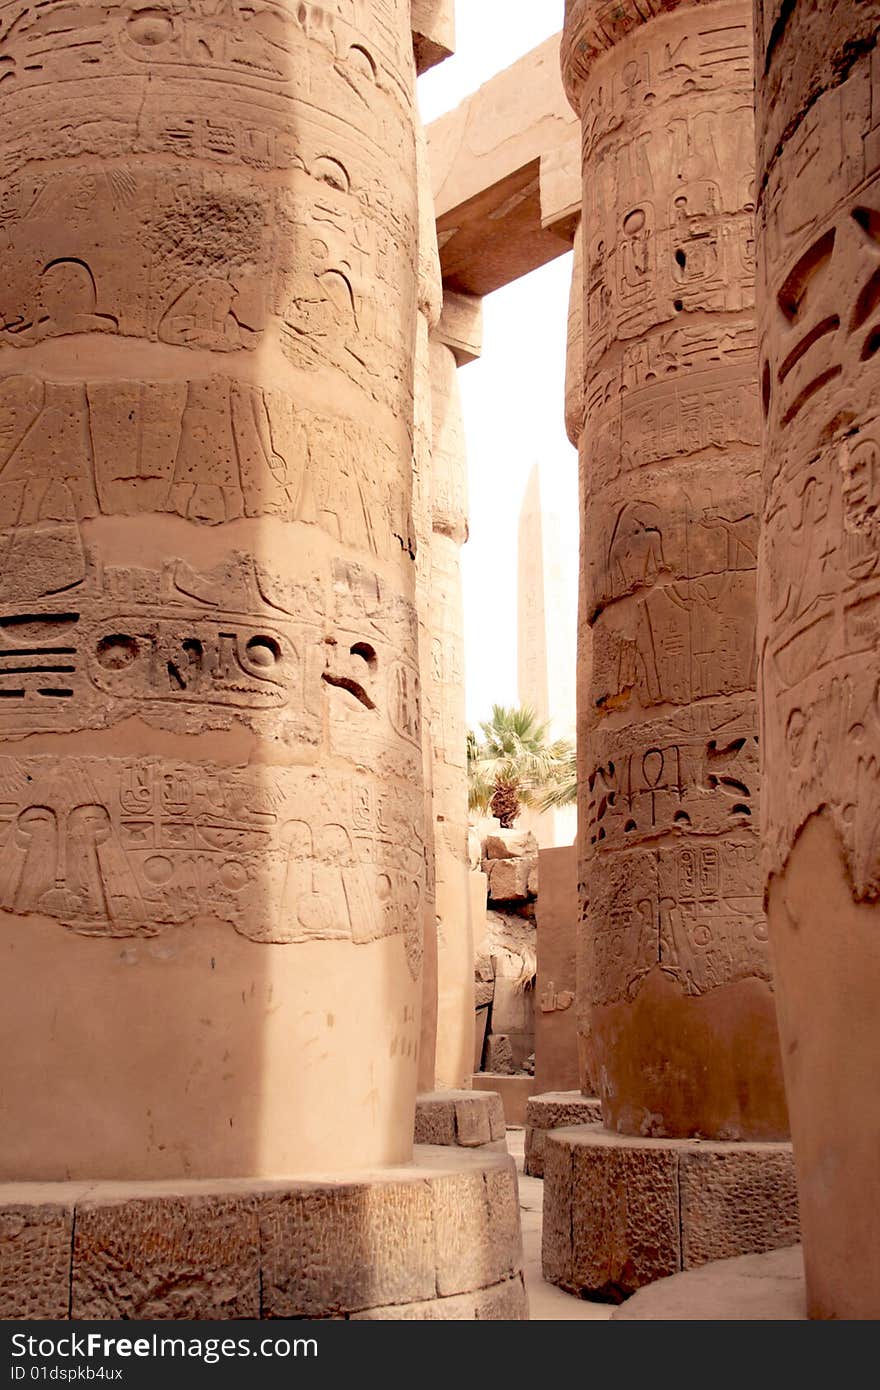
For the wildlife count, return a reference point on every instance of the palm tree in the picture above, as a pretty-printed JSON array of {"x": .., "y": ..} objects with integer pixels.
[
  {"x": 513, "y": 763},
  {"x": 563, "y": 788}
]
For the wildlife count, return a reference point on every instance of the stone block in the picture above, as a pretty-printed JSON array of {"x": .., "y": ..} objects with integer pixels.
[
  {"x": 177, "y": 1257},
  {"x": 505, "y": 1237},
  {"x": 509, "y": 879},
  {"x": 433, "y": 32},
  {"x": 461, "y": 329},
  {"x": 35, "y": 1259},
  {"x": 467, "y": 1119},
  {"x": 550, "y": 1111},
  {"x": 458, "y": 1308},
  {"x": 737, "y": 1200},
  {"x": 510, "y": 844},
  {"x": 561, "y": 184},
  {"x": 434, "y": 1120},
  {"x": 344, "y": 1247},
  {"x": 472, "y": 1126},
  {"x": 505, "y": 1302},
  {"x": 463, "y": 1258},
  {"x": 556, "y": 1229},
  {"x": 499, "y": 1054},
  {"x": 619, "y": 1245},
  {"x": 638, "y": 1210}
]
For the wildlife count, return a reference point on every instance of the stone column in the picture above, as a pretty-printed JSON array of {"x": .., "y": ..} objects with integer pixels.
[
  {"x": 430, "y": 299},
  {"x": 681, "y": 1010},
  {"x": 455, "y": 946},
  {"x": 211, "y": 868},
  {"x": 818, "y": 113}
]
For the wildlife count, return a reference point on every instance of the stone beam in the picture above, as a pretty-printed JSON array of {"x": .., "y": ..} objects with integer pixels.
[
  {"x": 461, "y": 326},
  {"x": 433, "y": 32},
  {"x": 506, "y": 176}
]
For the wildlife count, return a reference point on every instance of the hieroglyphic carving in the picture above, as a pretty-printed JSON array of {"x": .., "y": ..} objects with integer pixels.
[
  {"x": 670, "y": 478},
  {"x": 84, "y": 645},
  {"x": 695, "y": 909},
  {"x": 699, "y": 776},
  {"x": 820, "y": 590},
  {"x": 209, "y": 450},
  {"x": 133, "y": 847}
]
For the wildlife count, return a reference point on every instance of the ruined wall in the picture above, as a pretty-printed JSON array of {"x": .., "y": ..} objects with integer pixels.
[
  {"x": 212, "y": 856},
  {"x": 819, "y": 598},
  {"x": 681, "y": 1008}
]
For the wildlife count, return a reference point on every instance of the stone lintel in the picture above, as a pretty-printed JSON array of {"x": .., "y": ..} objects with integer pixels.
[
  {"x": 562, "y": 189},
  {"x": 438, "y": 1238},
  {"x": 622, "y": 1212},
  {"x": 461, "y": 326},
  {"x": 506, "y": 199},
  {"x": 433, "y": 32}
]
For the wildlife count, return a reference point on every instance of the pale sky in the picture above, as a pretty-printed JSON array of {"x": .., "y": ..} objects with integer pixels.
[{"x": 513, "y": 397}]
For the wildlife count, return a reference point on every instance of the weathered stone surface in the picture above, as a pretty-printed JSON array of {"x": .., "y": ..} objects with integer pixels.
[
  {"x": 554, "y": 1110},
  {"x": 676, "y": 963},
  {"x": 34, "y": 1256},
  {"x": 386, "y": 1244},
  {"x": 753, "y": 1287},
  {"x": 166, "y": 1257},
  {"x": 435, "y": 1120},
  {"x": 818, "y": 182},
  {"x": 621, "y": 1212},
  {"x": 736, "y": 1201},
  {"x": 574, "y": 355},
  {"x": 476, "y": 1245},
  {"x": 504, "y": 1302},
  {"x": 557, "y": 922},
  {"x": 509, "y": 879},
  {"x": 499, "y": 1054},
  {"x": 556, "y": 1231},
  {"x": 344, "y": 1247},
  {"x": 619, "y": 1245},
  {"x": 510, "y": 844},
  {"x": 464, "y": 1118}
]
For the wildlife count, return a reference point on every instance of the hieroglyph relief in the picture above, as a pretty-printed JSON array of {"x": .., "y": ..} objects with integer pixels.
[
  {"x": 670, "y": 481},
  {"x": 220, "y": 256},
  {"x": 114, "y": 847},
  {"x": 84, "y": 645},
  {"x": 821, "y": 534},
  {"x": 208, "y": 450}
]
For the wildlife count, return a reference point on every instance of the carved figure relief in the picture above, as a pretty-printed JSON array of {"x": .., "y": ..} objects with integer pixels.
[{"x": 821, "y": 593}]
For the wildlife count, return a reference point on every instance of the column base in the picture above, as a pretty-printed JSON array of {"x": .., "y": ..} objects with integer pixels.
[
  {"x": 514, "y": 1090},
  {"x": 554, "y": 1110},
  {"x": 621, "y": 1212},
  {"x": 467, "y": 1119},
  {"x": 438, "y": 1239},
  {"x": 752, "y": 1288}
]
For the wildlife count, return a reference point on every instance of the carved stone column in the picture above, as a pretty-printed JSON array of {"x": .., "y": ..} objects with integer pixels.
[
  {"x": 211, "y": 870},
  {"x": 681, "y": 1010},
  {"x": 818, "y": 116},
  {"x": 455, "y": 946}
]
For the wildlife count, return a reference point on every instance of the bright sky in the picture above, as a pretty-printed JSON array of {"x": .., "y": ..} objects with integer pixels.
[{"x": 513, "y": 397}]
